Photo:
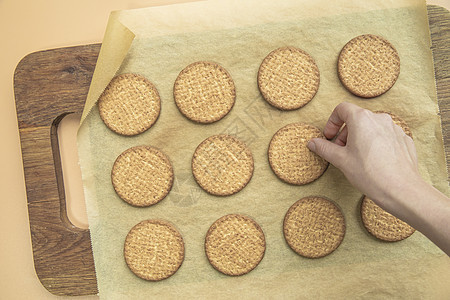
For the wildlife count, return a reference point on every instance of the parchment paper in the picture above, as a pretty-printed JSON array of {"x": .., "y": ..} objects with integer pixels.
[{"x": 238, "y": 35}]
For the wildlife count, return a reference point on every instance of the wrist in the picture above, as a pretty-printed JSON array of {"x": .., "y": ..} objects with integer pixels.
[
  {"x": 404, "y": 198},
  {"x": 416, "y": 203}
]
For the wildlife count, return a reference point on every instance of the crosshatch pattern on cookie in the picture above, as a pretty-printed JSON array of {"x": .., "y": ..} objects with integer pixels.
[
  {"x": 204, "y": 92},
  {"x": 368, "y": 65},
  {"x": 289, "y": 157},
  {"x": 222, "y": 165},
  {"x": 314, "y": 227},
  {"x": 154, "y": 250},
  {"x": 288, "y": 78},
  {"x": 130, "y": 104},
  {"x": 382, "y": 224},
  {"x": 235, "y": 244},
  {"x": 142, "y": 176}
]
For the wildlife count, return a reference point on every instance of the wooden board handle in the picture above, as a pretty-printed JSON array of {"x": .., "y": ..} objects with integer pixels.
[{"x": 48, "y": 86}]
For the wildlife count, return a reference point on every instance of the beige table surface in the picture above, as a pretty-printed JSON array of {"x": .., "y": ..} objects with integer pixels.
[{"x": 25, "y": 27}]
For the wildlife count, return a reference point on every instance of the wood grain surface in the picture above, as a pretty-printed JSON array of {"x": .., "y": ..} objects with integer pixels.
[
  {"x": 51, "y": 84},
  {"x": 439, "y": 20}
]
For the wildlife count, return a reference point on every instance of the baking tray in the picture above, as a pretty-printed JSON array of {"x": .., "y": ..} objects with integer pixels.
[{"x": 48, "y": 85}]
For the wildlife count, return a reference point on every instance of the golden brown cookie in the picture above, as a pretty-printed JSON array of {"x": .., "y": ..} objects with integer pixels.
[
  {"x": 382, "y": 224},
  {"x": 314, "y": 227},
  {"x": 288, "y": 78},
  {"x": 368, "y": 65},
  {"x": 204, "y": 92},
  {"x": 289, "y": 157},
  {"x": 154, "y": 250},
  {"x": 129, "y": 105},
  {"x": 222, "y": 165},
  {"x": 397, "y": 121},
  {"x": 142, "y": 176},
  {"x": 235, "y": 244}
]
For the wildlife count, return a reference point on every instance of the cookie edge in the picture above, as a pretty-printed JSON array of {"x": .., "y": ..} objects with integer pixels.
[
  {"x": 184, "y": 70},
  {"x": 152, "y": 87},
  {"x": 339, "y": 67},
  {"x": 235, "y": 191},
  {"x": 173, "y": 228},
  {"x": 270, "y": 147},
  {"x": 295, "y": 204},
  {"x": 221, "y": 219},
  {"x": 165, "y": 157},
  {"x": 265, "y": 96}
]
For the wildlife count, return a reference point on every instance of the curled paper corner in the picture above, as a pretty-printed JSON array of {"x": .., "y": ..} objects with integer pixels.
[{"x": 116, "y": 43}]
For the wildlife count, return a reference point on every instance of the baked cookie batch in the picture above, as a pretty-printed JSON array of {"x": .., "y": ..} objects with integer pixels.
[{"x": 222, "y": 165}]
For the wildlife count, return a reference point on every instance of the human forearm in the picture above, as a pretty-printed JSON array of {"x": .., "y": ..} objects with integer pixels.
[{"x": 426, "y": 209}]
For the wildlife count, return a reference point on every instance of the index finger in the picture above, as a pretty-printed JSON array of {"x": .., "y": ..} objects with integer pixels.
[{"x": 338, "y": 117}]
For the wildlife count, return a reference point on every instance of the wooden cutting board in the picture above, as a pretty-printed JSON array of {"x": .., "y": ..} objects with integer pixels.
[{"x": 50, "y": 84}]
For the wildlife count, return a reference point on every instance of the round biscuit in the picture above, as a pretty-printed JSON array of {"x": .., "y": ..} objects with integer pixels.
[
  {"x": 368, "y": 65},
  {"x": 382, "y": 224},
  {"x": 154, "y": 250},
  {"x": 235, "y": 244},
  {"x": 129, "y": 105},
  {"x": 142, "y": 176},
  {"x": 288, "y": 78},
  {"x": 314, "y": 227},
  {"x": 222, "y": 165},
  {"x": 204, "y": 92},
  {"x": 290, "y": 158}
]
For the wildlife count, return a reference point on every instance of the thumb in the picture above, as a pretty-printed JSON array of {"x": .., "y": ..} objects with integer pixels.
[{"x": 327, "y": 150}]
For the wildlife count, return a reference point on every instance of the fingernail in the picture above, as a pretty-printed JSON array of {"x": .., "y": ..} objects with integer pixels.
[{"x": 311, "y": 146}]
